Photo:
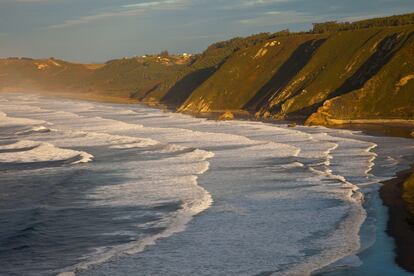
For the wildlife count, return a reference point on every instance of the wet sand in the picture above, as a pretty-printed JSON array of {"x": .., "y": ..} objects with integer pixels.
[
  {"x": 398, "y": 225},
  {"x": 391, "y": 193},
  {"x": 404, "y": 130}
]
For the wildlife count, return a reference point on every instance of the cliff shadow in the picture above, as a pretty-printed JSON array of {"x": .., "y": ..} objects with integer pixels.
[
  {"x": 140, "y": 94},
  {"x": 386, "y": 50},
  {"x": 298, "y": 59},
  {"x": 384, "y": 53},
  {"x": 183, "y": 89}
]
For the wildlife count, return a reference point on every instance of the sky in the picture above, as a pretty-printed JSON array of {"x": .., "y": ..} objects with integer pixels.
[{"x": 99, "y": 30}]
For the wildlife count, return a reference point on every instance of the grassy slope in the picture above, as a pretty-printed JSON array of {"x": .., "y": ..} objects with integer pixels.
[
  {"x": 336, "y": 60},
  {"x": 187, "y": 77},
  {"x": 347, "y": 60},
  {"x": 132, "y": 77},
  {"x": 176, "y": 89},
  {"x": 389, "y": 94},
  {"x": 244, "y": 74},
  {"x": 353, "y": 74},
  {"x": 124, "y": 78}
]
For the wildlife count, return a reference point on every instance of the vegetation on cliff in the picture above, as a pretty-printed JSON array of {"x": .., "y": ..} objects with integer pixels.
[
  {"x": 335, "y": 73},
  {"x": 175, "y": 90},
  {"x": 328, "y": 78},
  {"x": 133, "y": 77},
  {"x": 334, "y": 26},
  {"x": 386, "y": 87},
  {"x": 244, "y": 74}
]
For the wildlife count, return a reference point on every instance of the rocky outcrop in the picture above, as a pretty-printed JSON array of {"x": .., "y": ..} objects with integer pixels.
[{"x": 226, "y": 116}]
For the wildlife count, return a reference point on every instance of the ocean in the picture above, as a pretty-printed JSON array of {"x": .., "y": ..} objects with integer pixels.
[{"x": 115, "y": 189}]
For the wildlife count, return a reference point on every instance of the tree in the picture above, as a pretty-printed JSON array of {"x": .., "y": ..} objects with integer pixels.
[{"x": 164, "y": 54}]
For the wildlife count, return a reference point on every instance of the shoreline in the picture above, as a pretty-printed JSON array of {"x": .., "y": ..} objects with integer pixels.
[
  {"x": 390, "y": 193},
  {"x": 398, "y": 227},
  {"x": 387, "y": 128},
  {"x": 373, "y": 127}
]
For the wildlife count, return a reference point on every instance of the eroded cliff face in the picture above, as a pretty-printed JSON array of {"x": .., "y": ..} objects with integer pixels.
[
  {"x": 242, "y": 82},
  {"x": 177, "y": 88},
  {"x": 321, "y": 78},
  {"x": 388, "y": 94}
]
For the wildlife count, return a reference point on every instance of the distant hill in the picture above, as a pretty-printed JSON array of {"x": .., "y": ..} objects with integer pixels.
[
  {"x": 42, "y": 74},
  {"x": 134, "y": 77},
  {"x": 335, "y": 73}
]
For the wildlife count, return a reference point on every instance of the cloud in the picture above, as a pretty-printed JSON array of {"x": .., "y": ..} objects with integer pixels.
[
  {"x": 27, "y": 1},
  {"x": 124, "y": 11},
  {"x": 362, "y": 17},
  {"x": 274, "y": 18},
  {"x": 263, "y": 2},
  {"x": 245, "y": 4},
  {"x": 146, "y": 4}
]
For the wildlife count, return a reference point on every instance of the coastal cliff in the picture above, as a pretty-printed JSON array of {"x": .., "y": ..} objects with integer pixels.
[{"x": 336, "y": 73}]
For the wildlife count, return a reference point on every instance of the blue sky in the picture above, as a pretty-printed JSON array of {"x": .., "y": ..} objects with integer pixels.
[{"x": 98, "y": 30}]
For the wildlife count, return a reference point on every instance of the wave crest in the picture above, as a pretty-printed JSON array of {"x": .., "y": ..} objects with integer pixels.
[{"x": 28, "y": 152}]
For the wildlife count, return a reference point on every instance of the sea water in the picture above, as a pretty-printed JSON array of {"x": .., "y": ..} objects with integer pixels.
[{"x": 106, "y": 189}]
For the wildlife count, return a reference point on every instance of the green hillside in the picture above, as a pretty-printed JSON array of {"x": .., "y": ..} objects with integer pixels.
[
  {"x": 244, "y": 74},
  {"x": 133, "y": 77},
  {"x": 326, "y": 78},
  {"x": 176, "y": 89},
  {"x": 335, "y": 73},
  {"x": 388, "y": 93},
  {"x": 345, "y": 62}
]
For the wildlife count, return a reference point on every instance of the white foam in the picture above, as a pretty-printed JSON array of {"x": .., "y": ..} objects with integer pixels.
[
  {"x": 127, "y": 112},
  {"x": 41, "y": 152},
  {"x": 142, "y": 143},
  {"x": 371, "y": 160},
  {"x": 280, "y": 205},
  {"x": 36, "y": 129},
  {"x": 20, "y": 145},
  {"x": 6, "y": 121},
  {"x": 156, "y": 188}
]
